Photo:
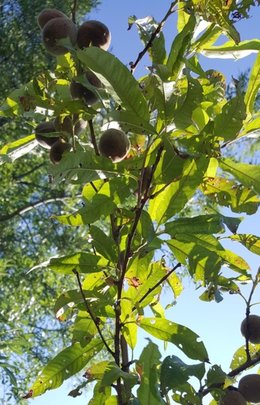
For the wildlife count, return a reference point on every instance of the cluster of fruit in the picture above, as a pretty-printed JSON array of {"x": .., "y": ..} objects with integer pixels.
[
  {"x": 249, "y": 385},
  {"x": 59, "y": 35}
]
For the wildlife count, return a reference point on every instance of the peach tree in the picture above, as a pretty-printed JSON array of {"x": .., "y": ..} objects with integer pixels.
[{"x": 152, "y": 159}]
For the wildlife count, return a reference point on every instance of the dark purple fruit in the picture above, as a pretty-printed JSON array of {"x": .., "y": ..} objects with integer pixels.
[
  {"x": 114, "y": 144},
  {"x": 46, "y": 128},
  {"x": 93, "y": 33},
  {"x": 58, "y": 35},
  {"x": 78, "y": 90},
  {"x": 48, "y": 14},
  {"x": 58, "y": 149}
]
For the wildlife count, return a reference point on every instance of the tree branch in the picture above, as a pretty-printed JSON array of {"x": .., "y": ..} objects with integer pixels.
[
  {"x": 29, "y": 207},
  {"x": 74, "y": 10},
  {"x": 93, "y": 317},
  {"x": 153, "y": 36},
  {"x": 157, "y": 284},
  {"x": 93, "y": 137}
]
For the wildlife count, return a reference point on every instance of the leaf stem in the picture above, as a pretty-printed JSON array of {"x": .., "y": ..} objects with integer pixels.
[
  {"x": 153, "y": 36},
  {"x": 89, "y": 310}
]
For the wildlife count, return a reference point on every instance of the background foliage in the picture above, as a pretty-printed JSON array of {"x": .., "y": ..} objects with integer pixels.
[{"x": 182, "y": 124}]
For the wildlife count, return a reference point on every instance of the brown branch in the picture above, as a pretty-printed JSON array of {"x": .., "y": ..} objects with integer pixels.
[
  {"x": 93, "y": 137},
  {"x": 153, "y": 36},
  {"x": 233, "y": 373},
  {"x": 157, "y": 284},
  {"x": 74, "y": 10},
  {"x": 93, "y": 317}
]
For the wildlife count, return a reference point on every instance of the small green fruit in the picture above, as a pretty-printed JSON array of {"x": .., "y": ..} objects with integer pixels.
[
  {"x": 233, "y": 398},
  {"x": 250, "y": 328},
  {"x": 114, "y": 144},
  {"x": 48, "y": 14},
  {"x": 93, "y": 33},
  {"x": 249, "y": 387},
  {"x": 46, "y": 128},
  {"x": 59, "y": 30},
  {"x": 57, "y": 150}
]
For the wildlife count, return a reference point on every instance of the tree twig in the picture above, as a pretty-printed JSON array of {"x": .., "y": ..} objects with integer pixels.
[
  {"x": 157, "y": 284},
  {"x": 89, "y": 310},
  {"x": 153, "y": 36},
  {"x": 93, "y": 137},
  {"x": 74, "y": 10}
]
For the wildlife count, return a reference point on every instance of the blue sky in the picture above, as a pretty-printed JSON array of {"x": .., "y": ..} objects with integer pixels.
[{"x": 218, "y": 325}]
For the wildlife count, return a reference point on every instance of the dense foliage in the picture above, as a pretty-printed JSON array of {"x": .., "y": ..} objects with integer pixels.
[{"x": 119, "y": 232}]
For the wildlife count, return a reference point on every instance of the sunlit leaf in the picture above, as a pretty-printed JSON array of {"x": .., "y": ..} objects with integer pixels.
[
  {"x": 181, "y": 336},
  {"x": 64, "y": 365},
  {"x": 116, "y": 75},
  {"x": 248, "y": 175},
  {"x": 82, "y": 262},
  {"x": 253, "y": 85},
  {"x": 251, "y": 242},
  {"x": 148, "y": 392},
  {"x": 231, "y": 51}
]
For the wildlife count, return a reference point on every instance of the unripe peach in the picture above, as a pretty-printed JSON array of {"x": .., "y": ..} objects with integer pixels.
[
  {"x": 57, "y": 150},
  {"x": 48, "y": 14},
  {"x": 93, "y": 33},
  {"x": 114, "y": 144},
  {"x": 56, "y": 31},
  {"x": 233, "y": 398},
  {"x": 46, "y": 128},
  {"x": 78, "y": 90},
  {"x": 250, "y": 328},
  {"x": 249, "y": 387}
]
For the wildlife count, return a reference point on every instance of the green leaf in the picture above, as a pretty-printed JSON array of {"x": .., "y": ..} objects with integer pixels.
[
  {"x": 175, "y": 283},
  {"x": 207, "y": 38},
  {"x": 146, "y": 28},
  {"x": 115, "y": 74},
  {"x": 230, "y": 194},
  {"x": 179, "y": 47},
  {"x": 184, "y": 114},
  {"x": 253, "y": 86},
  {"x": 240, "y": 357},
  {"x": 148, "y": 392},
  {"x": 14, "y": 150},
  {"x": 207, "y": 224},
  {"x": 251, "y": 127},
  {"x": 82, "y": 262},
  {"x": 228, "y": 123},
  {"x": 100, "y": 395},
  {"x": 99, "y": 207},
  {"x": 231, "y": 51},
  {"x": 129, "y": 121},
  {"x": 215, "y": 375},
  {"x": 67, "y": 363},
  {"x": 181, "y": 336},
  {"x": 251, "y": 242},
  {"x": 83, "y": 167},
  {"x": 112, "y": 373},
  {"x": 103, "y": 244},
  {"x": 171, "y": 199},
  {"x": 248, "y": 175},
  {"x": 175, "y": 372}
]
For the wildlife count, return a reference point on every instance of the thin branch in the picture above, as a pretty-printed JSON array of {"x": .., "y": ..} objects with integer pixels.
[
  {"x": 29, "y": 207},
  {"x": 20, "y": 176},
  {"x": 74, "y": 10},
  {"x": 93, "y": 137},
  {"x": 153, "y": 36},
  {"x": 248, "y": 305},
  {"x": 89, "y": 310},
  {"x": 157, "y": 284}
]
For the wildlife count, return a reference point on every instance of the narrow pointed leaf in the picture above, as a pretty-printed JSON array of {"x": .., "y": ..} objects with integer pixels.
[
  {"x": 181, "y": 336},
  {"x": 67, "y": 363},
  {"x": 251, "y": 242},
  {"x": 82, "y": 262},
  {"x": 248, "y": 175},
  {"x": 253, "y": 86},
  {"x": 118, "y": 76},
  {"x": 231, "y": 51}
]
